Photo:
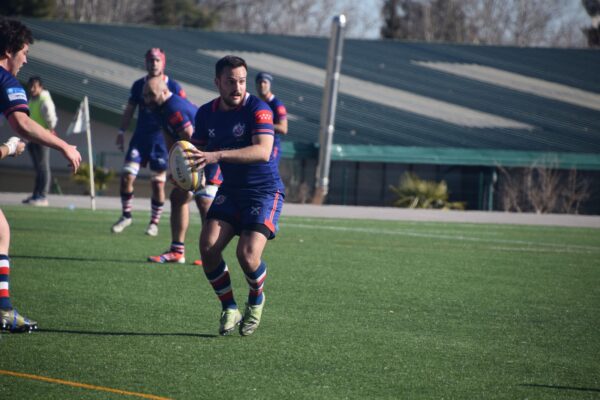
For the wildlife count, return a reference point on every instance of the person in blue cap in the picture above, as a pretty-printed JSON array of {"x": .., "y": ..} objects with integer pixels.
[{"x": 264, "y": 82}]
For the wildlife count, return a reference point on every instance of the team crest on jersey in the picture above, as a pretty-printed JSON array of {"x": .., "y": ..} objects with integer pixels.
[
  {"x": 135, "y": 153},
  {"x": 211, "y": 133},
  {"x": 220, "y": 199},
  {"x": 238, "y": 130}
]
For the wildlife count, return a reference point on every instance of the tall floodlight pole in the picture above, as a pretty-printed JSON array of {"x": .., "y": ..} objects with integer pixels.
[{"x": 327, "y": 127}]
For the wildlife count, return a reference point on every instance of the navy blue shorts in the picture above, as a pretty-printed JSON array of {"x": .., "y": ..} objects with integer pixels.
[
  {"x": 248, "y": 210},
  {"x": 150, "y": 151}
]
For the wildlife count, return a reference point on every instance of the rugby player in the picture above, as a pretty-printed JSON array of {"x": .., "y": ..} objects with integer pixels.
[
  {"x": 15, "y": 39},
  {"x": 147, "y": 145},
  {"x": 176, "y": 116},
  {"x": 264, "y": 82},
  {"x": 235, "y": 130}
]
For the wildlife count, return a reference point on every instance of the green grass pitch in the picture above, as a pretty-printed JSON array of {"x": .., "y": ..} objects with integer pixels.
[{"x": 355, "y": 310}]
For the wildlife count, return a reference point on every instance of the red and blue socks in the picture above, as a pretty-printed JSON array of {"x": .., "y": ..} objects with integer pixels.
[
  {"x": 127, "y": 203},
  {"x": 221, "y": 283},
  {"x": 256, "y": 281},
  {"x": 177, "y": 247},
  {"x": 157, "y": 209},
  {"x": 4, "y": 278}
]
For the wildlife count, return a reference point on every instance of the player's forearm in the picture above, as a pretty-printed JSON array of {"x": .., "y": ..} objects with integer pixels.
[
  {"x": 127, "y": 116},
  {"x": 247, "y": 155},
  {"x": 34, "y": 132},
  {"x": 4, "y": 151},
  {"x": 281, "y": 128}
]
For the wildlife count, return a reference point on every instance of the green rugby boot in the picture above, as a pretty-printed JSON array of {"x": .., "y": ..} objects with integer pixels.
[
  {"x": 14, "y": 322},
  {"x": 230, "y": 318},
  {"x": 251, "y": 318}
]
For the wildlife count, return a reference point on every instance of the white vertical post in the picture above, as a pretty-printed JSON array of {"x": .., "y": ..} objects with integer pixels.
[
  {"x": 327, "y": 127},
  {"x": 86, "y": 110}
]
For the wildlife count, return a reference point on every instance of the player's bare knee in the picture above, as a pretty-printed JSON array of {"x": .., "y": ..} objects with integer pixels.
[
  {"x": 179, "y": 197},
  {"x": 158, "y": 178},
  {"x": 248, "y": 256}
]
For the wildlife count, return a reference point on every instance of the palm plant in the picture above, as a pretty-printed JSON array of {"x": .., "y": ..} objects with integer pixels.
[{"x": 414, "y": 192}]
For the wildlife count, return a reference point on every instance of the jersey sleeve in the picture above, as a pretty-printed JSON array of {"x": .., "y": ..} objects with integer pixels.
[
  {"x": 13, "y": 98},
  {"x": 178, "y": 121},
  {"x": 262, "y": 120},
  {"x": 134, "y": 93},
  {"x": 177, "y": 89},
  {"x": 200, "y": 136},
  {"x": 280, "y": 112}
]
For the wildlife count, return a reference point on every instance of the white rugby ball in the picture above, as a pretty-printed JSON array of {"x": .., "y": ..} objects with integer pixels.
[{"x": 182, "y": 171}]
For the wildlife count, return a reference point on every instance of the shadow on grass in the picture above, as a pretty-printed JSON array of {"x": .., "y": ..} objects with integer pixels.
[
  {"x": 103, "y": 260},
  {"x": 557, "y": 387},
  {"x": 74, "y": 332}
]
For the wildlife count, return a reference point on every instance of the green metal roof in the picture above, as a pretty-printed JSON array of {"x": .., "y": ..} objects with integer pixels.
[{"x": 365, "y": 130}]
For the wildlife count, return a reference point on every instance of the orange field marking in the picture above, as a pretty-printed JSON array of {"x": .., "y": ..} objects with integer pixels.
[{"x": 81, "y": 385}]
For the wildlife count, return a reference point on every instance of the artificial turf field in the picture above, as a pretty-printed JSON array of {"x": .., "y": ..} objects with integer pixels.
[{"x": 355, "y": 309}]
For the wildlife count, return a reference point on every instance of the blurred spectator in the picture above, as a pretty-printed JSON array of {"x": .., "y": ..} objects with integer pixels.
[{"x": 42, "y": 111}]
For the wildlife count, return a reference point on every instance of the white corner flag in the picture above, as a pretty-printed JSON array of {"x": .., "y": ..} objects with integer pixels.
[
  {"x": 81, "y": 123},
  {"x": 77, "y": 126}
]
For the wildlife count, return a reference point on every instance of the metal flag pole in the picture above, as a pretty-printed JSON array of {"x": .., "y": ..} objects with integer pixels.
[
  {"x": 88, "y": 132},
  {"x": 327, "y": 127}
]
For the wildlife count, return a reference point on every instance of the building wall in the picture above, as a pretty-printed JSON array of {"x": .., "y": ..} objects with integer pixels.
[{"x": 368, "y": 184}]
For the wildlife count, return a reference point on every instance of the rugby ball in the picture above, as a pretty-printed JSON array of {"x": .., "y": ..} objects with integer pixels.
[{"x": 182, "y": 171}]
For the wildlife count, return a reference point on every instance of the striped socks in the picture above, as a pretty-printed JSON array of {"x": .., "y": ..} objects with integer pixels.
[
  {"x": 4, "y": 275},
  {"x": 221, "y": 283},
  {"x": 157, "y": 209},
  {"x": 177, "y": 247},
  {"x": 256, "y": 281},
  {"x": 126, "y": 204}
]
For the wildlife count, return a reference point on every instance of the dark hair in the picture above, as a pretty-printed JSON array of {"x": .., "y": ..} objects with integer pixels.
[
  {"x": 13, "y": 36},
  {"x": 231, "y": 62},
  {"x": 35, "y": 79}
]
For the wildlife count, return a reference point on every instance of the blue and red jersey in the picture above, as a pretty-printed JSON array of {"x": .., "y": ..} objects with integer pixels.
[
  {"x": 147, "y": 121},
  {"x": 279, "y": 114},
  {"x": 227, "y": 130},
  {"x": 178, "y": 113},
  {"x": 12, "y": 97}
]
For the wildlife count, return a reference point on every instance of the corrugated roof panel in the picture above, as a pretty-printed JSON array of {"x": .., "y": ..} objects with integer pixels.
[{"x": 556, "y": 126}]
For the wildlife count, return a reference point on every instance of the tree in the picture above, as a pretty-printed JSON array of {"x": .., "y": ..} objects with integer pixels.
[
  {"x": 28, "y": 8},
  {"x": 185, "y": 13},
  {"x": 593, "y": 32},
  {"x": 437, "y": 20},
  {"x": 107, "y": 11},
  {"x": 298, "y": 17},
  {"x": 499, "y": 22}
]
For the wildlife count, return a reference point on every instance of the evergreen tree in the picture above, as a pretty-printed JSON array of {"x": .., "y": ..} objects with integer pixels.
[
  {"x": 28, "y": 8},
  {"x": 593, "y": 32}
]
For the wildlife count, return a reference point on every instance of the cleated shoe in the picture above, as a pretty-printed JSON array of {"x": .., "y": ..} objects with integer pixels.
[
  {"x": 38, "y": 202},
  {"x": 230, "y": 318},
  {"x": 251, "y": 318},
  {"x": 12, "y": 321},
  {"x": 168, "y": 257},
  {"x": 152, "y": 229},
  {"x": 121, "y": 224},
  {"x": 198, "y": 262}
]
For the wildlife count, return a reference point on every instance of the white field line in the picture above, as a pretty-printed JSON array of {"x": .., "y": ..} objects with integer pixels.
[{"x": 545, "y": 246}]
